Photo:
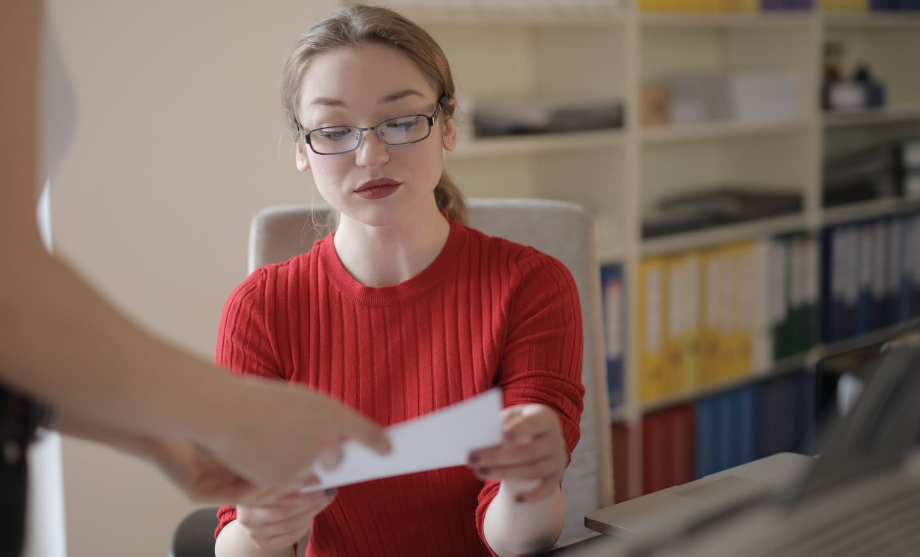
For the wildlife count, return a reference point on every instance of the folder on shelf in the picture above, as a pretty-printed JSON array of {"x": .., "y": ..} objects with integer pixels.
[
  {"x": 612, "y": 296},
  {"x": 620, "y": 446},
  {"x": 812, "y": 293},
  {"x": 745, "y": 312},
  {"x": 681, "y": 430},
  {"x": 728, "y": 347},
  {"x": 709, "y": 436},
  {"x": 764, "y": 311},
  {"x": 893, "y": 270},
  {"x": 652, "y": 296},
  {"x": 673, "y": 321},
  {"x": 711, "y": 263},
  {"x": 865, "y": 243},
  {"x": 655, "y": 449},
  {"x": 779, "y": 295},
  {"x": 691, "y": 309}
]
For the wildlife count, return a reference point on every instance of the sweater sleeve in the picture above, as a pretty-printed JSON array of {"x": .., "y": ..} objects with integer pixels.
[
  {"x": 544, "y": 348},
  {"x": 245, "y": 346}
]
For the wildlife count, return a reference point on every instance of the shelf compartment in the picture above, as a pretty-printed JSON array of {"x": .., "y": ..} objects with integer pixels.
[
  {"x": 868, "y": 339},
  {"x": 781, "y": 367},
  {"x": 533, "y": 144},
  {"x": 784, "y": 366},
  {"x": 717, "y": 131},
  {"x": 721, "y": 235},
  {"x": 868, "y": 210},
  {"x": 872, "y": 116}
]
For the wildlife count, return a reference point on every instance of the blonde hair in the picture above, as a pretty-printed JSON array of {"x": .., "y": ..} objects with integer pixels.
[{"x": 361, "y": 24}]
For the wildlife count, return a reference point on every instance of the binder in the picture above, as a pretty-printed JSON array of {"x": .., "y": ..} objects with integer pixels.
[
  {"x": 688, "y": 336},
  {"x": 729, "y": 347},
  {"x": 763, "y": 318},
  {"x": 878, "y": 263},
  {"x": 850, "y": 252},
  {"x": 830, "y": 284},
  {"x": 746, "y": 291},
  {"x": 673, "y": 319},
  {"x": 681, "y": 430},
  {"x": 894, "y": 270},
  {"x": 866, "y": 241},
  {"x": 655, "y": 453},
  {"x": 779, "y": 296},
  {"x": 620, "y": 445},
  {"x": 708, "y": 418},
  {"x": 711, "y": 333},
  {"x": 612, "y": 294},
  {"x": 652, "y": 292}
]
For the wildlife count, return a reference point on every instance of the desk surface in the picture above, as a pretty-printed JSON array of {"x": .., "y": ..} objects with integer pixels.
[{"x": 581, "y": 545}]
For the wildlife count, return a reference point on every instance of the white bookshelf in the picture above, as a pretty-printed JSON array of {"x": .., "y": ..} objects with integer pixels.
[
  {"x": 716, "y": 130},
  {"x": 716, "y": 236},
  {"x": 534, "y": 144},
  {"x": 890, "y": 114},
  {"x": 616, "y": 174}
]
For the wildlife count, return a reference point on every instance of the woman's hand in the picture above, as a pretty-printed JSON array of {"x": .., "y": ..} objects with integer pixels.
[
  {"x": 532, "y": 458},
  {"x": 204, "y": 478},
  {"x": 278, "y": 430},
  {"x": 280, "y": 523}
]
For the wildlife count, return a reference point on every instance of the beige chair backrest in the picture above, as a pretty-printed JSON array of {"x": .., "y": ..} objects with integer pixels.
[{"x": 564, "y": 230}]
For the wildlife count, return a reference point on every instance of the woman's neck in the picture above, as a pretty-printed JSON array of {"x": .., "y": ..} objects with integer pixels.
[{"x": 391, "y": 254}]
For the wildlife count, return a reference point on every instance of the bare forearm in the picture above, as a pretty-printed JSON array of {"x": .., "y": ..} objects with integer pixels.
[
  {"x": 75, "y": 426},
  {"x": 234, "y": 541},
  {"x": 513, "y": 529},
  {"x": 62, "y": 343}
]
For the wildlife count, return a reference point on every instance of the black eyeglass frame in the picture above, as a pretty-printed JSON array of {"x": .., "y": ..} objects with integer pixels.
[{"x": 360, "y": 131}]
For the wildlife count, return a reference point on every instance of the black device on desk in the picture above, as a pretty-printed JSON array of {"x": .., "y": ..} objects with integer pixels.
[{"x": 860, "y": 498}]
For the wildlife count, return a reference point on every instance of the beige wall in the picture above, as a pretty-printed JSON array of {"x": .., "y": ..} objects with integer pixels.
[{"x": 179, "y": 141}]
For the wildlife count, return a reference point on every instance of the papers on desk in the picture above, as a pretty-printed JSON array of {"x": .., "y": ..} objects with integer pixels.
[{"x": 438, "y": 440}]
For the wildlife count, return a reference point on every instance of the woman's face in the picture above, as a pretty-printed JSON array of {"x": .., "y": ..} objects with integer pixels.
[{"x": 361, "y": 87}]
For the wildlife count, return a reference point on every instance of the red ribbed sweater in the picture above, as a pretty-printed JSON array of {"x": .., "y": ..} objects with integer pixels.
[{"x": 486, "y": 312}]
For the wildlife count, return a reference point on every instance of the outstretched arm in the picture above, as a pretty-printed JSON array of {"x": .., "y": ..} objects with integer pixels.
[{"x": 64, "y": 344}]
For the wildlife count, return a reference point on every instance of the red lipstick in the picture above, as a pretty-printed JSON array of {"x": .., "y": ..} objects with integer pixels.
[{"x": 378, "y": 188}]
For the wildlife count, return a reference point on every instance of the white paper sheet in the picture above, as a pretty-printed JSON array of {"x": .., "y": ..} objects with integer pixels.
[{"x": 437, "y": 440}]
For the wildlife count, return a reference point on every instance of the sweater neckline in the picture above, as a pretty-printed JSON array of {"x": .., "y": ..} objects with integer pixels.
[{"x": 432, "y": 275}]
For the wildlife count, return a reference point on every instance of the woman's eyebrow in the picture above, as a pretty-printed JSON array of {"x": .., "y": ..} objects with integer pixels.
[
  {"x": 327, "y": 101},
  {"x": 392, "y": 97}
]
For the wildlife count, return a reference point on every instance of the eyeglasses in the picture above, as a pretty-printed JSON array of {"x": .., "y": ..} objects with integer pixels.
[{"x": 403, "y": 130}]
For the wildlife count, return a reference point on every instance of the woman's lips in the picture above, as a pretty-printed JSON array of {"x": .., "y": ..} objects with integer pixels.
[{"x": 378, "y": 189}]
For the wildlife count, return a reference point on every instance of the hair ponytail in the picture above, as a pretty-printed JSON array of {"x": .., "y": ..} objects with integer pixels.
[{"x": 451, "y": 199}]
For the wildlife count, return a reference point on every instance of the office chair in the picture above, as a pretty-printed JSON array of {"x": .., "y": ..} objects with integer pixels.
[{"x": 563, "y": 230}]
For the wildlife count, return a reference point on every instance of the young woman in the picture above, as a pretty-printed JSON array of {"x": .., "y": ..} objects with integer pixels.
[
  {"x": 63, "y": 344},
  {"x": 404, "y": 310}
]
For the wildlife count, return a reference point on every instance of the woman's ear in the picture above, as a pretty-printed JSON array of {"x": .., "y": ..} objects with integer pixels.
[
  {"x": 450, "y": 128},
  {"x": 300, "y": 156}
]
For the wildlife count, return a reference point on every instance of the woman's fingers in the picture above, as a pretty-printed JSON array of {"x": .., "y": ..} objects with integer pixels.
[
  {"x": 539, "y": 469},
  {"x": 513, "y": 453}
]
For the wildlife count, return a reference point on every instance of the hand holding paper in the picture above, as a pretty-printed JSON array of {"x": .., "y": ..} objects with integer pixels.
[{"x": 439, "y": 440}]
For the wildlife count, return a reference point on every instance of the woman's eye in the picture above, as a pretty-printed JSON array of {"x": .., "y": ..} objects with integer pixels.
[
  {"x": 335, "y": 134},
  {"x": 403, "y": 125}
]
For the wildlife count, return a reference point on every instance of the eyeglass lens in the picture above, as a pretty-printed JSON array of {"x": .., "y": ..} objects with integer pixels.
[{"x": 397, "y": 131}]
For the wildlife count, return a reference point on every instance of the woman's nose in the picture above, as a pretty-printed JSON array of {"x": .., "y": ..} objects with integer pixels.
[{"x": 372, "y": 152}]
